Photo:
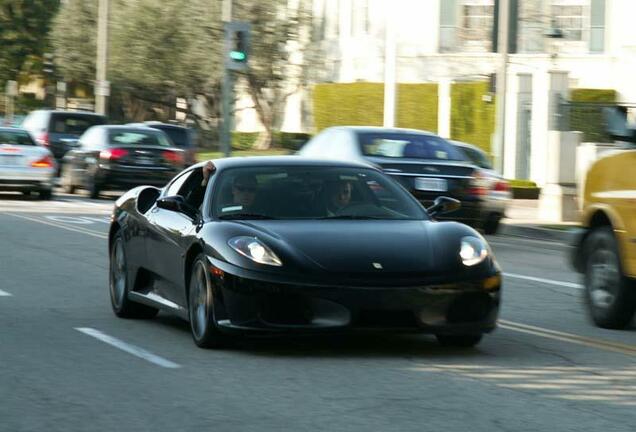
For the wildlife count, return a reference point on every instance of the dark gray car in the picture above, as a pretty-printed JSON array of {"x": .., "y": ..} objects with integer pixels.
[
  {"x": 59, "y": 131},
  {"x": 426, "y": 165}
]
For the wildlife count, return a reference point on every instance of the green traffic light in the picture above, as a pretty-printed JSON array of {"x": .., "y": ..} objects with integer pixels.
[{"x": 237, "y": 55}]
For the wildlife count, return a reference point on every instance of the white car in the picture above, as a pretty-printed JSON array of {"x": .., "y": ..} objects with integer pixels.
[{"x": 24, "y": 165}]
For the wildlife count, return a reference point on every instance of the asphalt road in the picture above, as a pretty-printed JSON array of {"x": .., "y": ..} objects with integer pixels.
[{"x": 68, "y": 364}]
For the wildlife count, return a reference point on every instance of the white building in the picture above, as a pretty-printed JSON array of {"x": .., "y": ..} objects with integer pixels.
[{"x": 441, "y": 40}]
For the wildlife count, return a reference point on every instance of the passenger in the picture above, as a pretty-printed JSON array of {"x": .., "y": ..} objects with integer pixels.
[{"x": 339, "y": 197}]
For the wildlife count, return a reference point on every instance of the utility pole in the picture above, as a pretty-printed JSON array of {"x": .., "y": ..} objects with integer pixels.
[
  {"x": 227, "y": 87},
  {"x": 102, "y": 87},
  {"x": 502, "y": 78},
  {"x": 390, "y": 66}
]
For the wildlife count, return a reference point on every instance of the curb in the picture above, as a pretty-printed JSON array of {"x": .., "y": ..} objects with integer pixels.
[{"x": 534, "y": 232}]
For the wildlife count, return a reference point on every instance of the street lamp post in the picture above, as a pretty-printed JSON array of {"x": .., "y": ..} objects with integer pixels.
[
  {"x": 390, "y": 66},
  {"x": 102, "y": 87},
  {"x": 502, "y": 78}
]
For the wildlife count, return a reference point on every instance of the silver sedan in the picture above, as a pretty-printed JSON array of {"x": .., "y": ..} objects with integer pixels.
[{"x": 24, "y": 165}]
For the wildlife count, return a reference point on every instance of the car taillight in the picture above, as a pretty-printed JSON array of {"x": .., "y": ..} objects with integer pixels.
[
  {"x": 113, "y": 154},
  {"x": 173, "y": 157},
  {"x": 45, "y": 162},
  {"x": 478, "y": 185},
  {"x": 43, "y": 139},
  {"x": 502, "y": 186}
]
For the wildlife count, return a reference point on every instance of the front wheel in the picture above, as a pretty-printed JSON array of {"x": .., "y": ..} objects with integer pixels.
[
  {"x": 609, "y": 295},
  {"x": 459, "y": 340},
  {"x": 118, "y": 284},
  {"x": 201, "y": 307}
]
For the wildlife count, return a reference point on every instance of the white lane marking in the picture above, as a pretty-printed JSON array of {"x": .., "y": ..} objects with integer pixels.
[
  {"x": 569, "y": 337},
  {"x": 126, "y": 347},
  {"x": 74, "y": 229},
  {"x": 4, "y": 294},
  {"x": 546, "y": 281},
  {"x": 80, "y": 220},
  {"x": 69, "y": 219}
]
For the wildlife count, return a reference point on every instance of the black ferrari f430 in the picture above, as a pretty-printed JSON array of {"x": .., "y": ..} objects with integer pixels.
[{"x": 287, "y": 244}]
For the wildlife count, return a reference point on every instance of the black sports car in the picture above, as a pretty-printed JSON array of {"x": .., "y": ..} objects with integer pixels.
[{"x": 284, "y": 244}]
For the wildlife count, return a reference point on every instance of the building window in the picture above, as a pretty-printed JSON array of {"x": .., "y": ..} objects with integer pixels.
[
  {"x": 570, "y": 18},
  {"x": 476, "y": 24},
  {"x": 360, "y": 18}
]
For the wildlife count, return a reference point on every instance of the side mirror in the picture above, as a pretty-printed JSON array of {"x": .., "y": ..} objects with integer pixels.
[
  {"x": 443, "y": 205},
  {"x": 177, "y": 204}
]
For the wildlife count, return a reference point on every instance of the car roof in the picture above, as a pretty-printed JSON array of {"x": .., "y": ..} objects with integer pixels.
[
  {"x": 87, "y": 113},
  {"x": 272, "y": 161},
  {"x": 382, "y": 129},
  {"x": 467, "y": 145}
]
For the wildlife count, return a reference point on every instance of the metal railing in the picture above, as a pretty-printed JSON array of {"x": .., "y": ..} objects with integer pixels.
[{"x": 591, "y": 118}]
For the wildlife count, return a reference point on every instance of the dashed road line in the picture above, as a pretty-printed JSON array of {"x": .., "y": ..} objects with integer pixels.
[
  {"x": 546, "y": 281},
  {"x": 5, "y": 294},
  {"x": 129, "y": 348}
]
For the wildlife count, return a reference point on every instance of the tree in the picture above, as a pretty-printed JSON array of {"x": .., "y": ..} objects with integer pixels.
[
  {"x": 24, "y": 26},
  {"x": 280, "y": 33}
]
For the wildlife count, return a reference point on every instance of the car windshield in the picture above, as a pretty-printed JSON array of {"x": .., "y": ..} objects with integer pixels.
[
  {"x": 137, "y": 137},
  {"x": 16, "y": 137},
  {"x": 73, "y": 123},
  {"x": 311, "y": 192},
  {"x": 178, "y": 136},
  {"x": 407, "y": 145}
]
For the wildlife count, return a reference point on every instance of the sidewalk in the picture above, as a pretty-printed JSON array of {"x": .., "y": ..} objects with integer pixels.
[{"x": 522, "y": 220}]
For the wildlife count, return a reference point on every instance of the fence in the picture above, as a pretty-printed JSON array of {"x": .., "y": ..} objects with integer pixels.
[{"x": 593, "y": 118}]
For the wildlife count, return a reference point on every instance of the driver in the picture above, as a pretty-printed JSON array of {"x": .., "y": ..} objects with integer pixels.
[
  {"x": 244, "y": 191},
  {"x": 339, "y": 197}
]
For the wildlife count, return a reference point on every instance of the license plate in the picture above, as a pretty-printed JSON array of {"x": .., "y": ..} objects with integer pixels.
[
  {"x": 430, "y": 184},
  {"x": 10, "y": 160},
  {"x": 145, "y": 161}
]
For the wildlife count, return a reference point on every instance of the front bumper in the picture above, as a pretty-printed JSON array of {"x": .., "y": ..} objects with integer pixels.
[{"x": 254, "y": 305}]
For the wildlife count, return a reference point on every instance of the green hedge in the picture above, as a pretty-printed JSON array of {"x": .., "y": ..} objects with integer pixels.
[
  {"x": 286, "y": 140},
  {"x": 362, "y": 104},
  {"x": 472, "y": 119},
  {"x": 593, "y": 95},
  {"x": 586, "y": 114}
]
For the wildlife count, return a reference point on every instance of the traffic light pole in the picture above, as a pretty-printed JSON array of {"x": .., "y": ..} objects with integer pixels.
[
  {"x": 227, "y": 96},
  {"x": 102, "y": 87}
]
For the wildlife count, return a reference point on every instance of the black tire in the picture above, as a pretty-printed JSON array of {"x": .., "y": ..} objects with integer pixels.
[
  {"x": 201, "y": 307},
  {"x": 45, "y": 194},
  {"x": 609, "y": 295},
  {"x": 492, "y": 224},
  {"x": 118, "y": 286},
  {"x": 459, "y": 340},
  {"x": 67, "y": 181},
  {"x": 93, "y": 189}
]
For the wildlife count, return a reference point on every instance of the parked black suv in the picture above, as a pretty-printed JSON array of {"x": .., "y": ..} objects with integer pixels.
[{"x": 60, "y": 130}]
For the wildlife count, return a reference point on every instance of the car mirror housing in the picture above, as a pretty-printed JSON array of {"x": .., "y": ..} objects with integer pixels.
[
  {"x": 177, "y": 203},
  {"x": 443, "y": 205}
]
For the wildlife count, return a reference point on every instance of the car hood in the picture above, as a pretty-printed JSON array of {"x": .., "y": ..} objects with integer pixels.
[{"x": 355, "y": 247}]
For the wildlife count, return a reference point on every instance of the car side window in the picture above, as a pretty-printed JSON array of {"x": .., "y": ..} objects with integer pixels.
[{"x": 175, "y": 187}]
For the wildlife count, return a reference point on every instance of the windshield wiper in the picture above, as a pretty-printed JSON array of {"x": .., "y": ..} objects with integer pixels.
[{"x": 245, "y": 216}]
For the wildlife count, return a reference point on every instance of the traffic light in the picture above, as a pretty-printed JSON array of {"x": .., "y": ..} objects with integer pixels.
[{"x": 237, "y": 45}]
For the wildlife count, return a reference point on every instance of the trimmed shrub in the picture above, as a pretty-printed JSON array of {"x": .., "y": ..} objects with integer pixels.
[
  {"x": 586, "y": 113},
  {"x": 362, "y": 104},
  {"x": 593, "y": 95},
  {"x": 472, "y": 119}
]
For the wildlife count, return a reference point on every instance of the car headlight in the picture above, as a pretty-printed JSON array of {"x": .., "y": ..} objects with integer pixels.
[
  {"x": 254, "y": 249},
  {"x": 473, "y": 251}
]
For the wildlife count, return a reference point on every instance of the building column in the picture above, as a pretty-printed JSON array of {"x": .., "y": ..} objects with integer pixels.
[{"x": 444, "y": 105}]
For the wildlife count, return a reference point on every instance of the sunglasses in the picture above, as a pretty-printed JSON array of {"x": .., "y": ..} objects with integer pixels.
[{"x": 242, "y": 188}]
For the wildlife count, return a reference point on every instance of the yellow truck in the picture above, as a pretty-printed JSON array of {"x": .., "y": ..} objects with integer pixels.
[{"x": 605, "y": 252}]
